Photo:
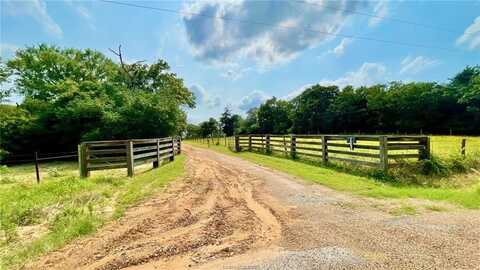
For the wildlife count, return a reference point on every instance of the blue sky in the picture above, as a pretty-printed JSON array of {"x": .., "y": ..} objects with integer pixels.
[{"x": 264, "y": 48}]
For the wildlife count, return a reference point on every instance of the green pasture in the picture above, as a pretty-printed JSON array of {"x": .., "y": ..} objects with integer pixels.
[{"x": 37, "y": 218}]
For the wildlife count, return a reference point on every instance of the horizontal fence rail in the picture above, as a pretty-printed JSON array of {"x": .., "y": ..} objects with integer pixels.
[
  {"x": 104, "y": 155},
  {"x": 379, "y": 151}
]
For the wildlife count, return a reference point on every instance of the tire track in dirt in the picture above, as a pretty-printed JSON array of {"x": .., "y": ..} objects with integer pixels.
[
  {"x": 213, "y": 213},
  {"x": 228, "y": 213}
]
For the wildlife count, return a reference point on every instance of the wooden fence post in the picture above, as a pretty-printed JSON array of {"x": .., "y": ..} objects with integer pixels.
[
  {"x": 293, "y": 146},
  {"x": 267, "y": 144},
  {"x": 37, "y": 170},
  {"x": 250, "y": 143},
  {"x": 130, "y": 160},
  {"x": 324, "y": 149},
  {"x": 264, "y": 148},
  {"x": 383, "y": 153},
  {"x": 172, "y": 157},
  {"x": 425, "y": 152},
  {"x": 82, "y": 160},
  {"x": 179, "y": 145},
  {"x": 462, "y": 149},
  {"x": 237, "y": 143},
  {"x": 285, "y": 146},
  {"x": 157, "y": 162}
]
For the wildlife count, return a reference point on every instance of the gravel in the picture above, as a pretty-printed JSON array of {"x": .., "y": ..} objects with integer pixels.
[{"x": 316, "y": 258}]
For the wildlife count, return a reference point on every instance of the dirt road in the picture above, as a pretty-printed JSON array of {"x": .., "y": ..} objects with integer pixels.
[{"x": 230, "y": 214}]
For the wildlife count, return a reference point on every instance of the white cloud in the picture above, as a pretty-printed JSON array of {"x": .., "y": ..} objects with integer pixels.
[
  {"x": 264, "y": 32},
  {"x": 235, "y": 73},
  {"x": 254, "y": 99},
  {"x": 7, "y": 50},
  {"x": 203, "y": 98},
  {"x": 36, "y": 9},
  {"x": 340, "y": 49},
  {"x": 381, "y": 11},
  {"x": 298, "y": 91},
  {"x": 414, "y": 65},
  {"x": 83, "y": 12},
  {"x": 367, "y": 74},
  {"x": 471, "y": 36}
]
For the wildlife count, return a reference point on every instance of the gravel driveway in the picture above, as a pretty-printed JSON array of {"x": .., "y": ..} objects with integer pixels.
[{"x": 231, "y": 214}]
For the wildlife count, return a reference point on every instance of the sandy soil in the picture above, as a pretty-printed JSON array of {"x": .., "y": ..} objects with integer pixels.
[{"x": 230, "y": 214}]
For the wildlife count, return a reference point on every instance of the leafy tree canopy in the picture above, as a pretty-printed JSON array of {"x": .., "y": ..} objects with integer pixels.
[{"x": 72, "y": 95}]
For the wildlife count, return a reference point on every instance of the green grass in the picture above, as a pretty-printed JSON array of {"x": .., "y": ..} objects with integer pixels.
[
  {"x": 404, "y": 210},
  {"x": 64, "y": 207},
  {"x": 444, "y": 146},
  {"x": 468, "y": 197}
]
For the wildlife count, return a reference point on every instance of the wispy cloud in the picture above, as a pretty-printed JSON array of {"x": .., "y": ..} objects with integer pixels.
[
  {"x": 37, "y": 9},
  {"x": 340, "y": 49},
  {"x": 83, "y": 12},
  {"x": 471, "y": 36},
  {"x": 381, "y": 11},
  {"x": 414, "y": 65},
  {"x": 367, "y": 74}
]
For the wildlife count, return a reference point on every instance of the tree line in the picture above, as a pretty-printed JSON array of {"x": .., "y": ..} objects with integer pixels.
[
  {"x": 71, "y": 95},
  {"x": 396, "y": 107}
]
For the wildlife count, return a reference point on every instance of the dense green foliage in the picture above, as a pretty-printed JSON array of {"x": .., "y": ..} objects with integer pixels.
[
  {"x": 229, "y": 123},
  {"x": 73, "y": 95},
  {"x": 413, "y": 107},
  {"x": 209, "y": 128}
]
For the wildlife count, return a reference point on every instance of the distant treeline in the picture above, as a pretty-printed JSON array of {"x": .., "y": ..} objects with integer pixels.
[
  {"x": 73, "y": 95},
  {"x": 396, "y": 107}
]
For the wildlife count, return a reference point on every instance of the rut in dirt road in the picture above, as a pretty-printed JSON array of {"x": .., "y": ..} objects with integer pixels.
[
  {"x": 211, "y": 214},
  {"x": 231, "y": 214}
]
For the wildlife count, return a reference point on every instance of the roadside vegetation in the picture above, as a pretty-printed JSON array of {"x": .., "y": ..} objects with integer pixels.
[
  {"x": 72, "y": 95},
  {"x": 37, "y": 218},
  {"x": 465, "y": 192}
]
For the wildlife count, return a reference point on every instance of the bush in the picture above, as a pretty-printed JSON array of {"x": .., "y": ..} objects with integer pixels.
[{"x": 432, "y": 166}]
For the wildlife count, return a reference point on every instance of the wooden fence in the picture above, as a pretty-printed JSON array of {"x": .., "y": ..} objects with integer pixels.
[
  {"x": 369, "y": 150},
  {"x": 102, "y": 155}
]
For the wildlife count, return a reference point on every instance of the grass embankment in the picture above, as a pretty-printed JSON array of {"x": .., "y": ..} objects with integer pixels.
[
  {"x": 35, "y": 219},
  {"x": 468, "y": 196}
]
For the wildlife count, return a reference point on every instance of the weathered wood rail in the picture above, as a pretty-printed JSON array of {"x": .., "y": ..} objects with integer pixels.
[
  {"x": 103, "y": 155},
  {"x": 379, "y": 151}
]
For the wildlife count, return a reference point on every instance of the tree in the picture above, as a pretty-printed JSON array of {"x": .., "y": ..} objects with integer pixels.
[
  {"x": 209, "y": 128},
  {"x": 74, "y": 95},
  {"x": 193, "y": 131},
  {"x": 5, "y": 72},
  {"x": 349, "y": 110},
  {"x": 310, "y": 108},
  {"x": 250, "y": 124},
  {"x": 466, "y": 86},
  {"x": 273, "y": 116},
  {"x": 227, "y": 123}
]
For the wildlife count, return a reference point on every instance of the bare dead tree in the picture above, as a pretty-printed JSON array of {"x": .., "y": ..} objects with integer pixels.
[{"x": 126, "y": 67}]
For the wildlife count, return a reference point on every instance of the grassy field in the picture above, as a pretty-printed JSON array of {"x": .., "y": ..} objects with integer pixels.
[
  {"x": 441, "y": 146},
  {"x": 466, "y": 196},
  {"x": 37, "y": 218},
  {"x": 444, "y": 146}
]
